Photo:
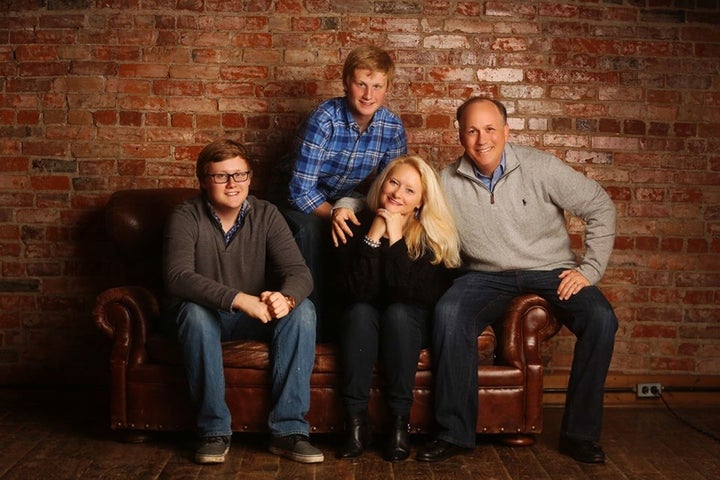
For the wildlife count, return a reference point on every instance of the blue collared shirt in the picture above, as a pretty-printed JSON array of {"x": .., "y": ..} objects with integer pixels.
[
  {"x": 490, "y": 182},
  {"x": 238, "y": 221},
  {"x": 332, "y": 156}
]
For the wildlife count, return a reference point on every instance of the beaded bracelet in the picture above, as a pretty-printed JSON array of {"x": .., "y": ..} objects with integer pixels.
[{"x": 370, "y": 243}]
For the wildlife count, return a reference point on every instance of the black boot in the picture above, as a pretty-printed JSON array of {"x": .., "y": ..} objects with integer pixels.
[
  {"x": 398, "y": 446},
  {"x": 357, "y": 435}
]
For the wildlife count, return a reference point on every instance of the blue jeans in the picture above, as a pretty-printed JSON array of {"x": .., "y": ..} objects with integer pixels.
[
  {"x": 478, "y": 299},
  {"x": 398, "y": 331},
  {"x": 200, "y": 332}
]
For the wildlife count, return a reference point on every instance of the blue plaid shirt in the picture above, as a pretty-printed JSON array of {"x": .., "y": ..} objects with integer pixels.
[{"x": 332, "y": 157}]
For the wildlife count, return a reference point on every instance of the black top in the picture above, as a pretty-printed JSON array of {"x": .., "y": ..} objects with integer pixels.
[{"x": 386, "y": 275}]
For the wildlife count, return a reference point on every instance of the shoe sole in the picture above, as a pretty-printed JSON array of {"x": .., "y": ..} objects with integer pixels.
[
  {"x": 205, "y": 459},
  {"x": 568, "y": 451},
  {"x": 297, "y": 457}
]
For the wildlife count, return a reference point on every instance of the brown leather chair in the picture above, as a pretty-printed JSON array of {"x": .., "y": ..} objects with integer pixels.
[{"x": 148, "y": 390}]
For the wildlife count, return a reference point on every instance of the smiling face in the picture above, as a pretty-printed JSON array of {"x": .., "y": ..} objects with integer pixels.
[
  {"x": 226, "y": 198},
  {"x": 483, "y": 134},
  {"x": 365, "y": 92},
  {"x": 402, "y": 190}
]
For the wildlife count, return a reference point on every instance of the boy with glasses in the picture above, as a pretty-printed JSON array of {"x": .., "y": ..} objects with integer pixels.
[{"x": 219, "y": 249}]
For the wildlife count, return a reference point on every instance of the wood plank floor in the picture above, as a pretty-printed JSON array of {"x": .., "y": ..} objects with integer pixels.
[{"x": 64, "y": 435}]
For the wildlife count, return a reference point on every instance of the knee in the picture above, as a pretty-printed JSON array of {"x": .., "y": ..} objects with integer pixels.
[
  {"x": 603, "y": 323},
  {"x": 445, "y": 312},
  {"x": 608, "y": 320},
  {"x": 397, "y": 318},
  {"x": 304, "y": 317},
  {"x": 358, "y": 318},
  {"x": 196, "y": 321}
]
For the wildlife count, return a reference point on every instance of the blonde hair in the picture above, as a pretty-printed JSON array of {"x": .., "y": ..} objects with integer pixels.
[
  {"x": 433, "y": 228},
  {"x": 368, "y": 57}
]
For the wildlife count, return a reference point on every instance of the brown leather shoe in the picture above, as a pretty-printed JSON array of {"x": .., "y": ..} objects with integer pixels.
[
  {"x": 584, "y": 451},
  {"x": 438, "y": 450}
]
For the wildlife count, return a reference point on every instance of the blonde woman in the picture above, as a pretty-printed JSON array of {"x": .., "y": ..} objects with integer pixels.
[{"x": 396, "y": 263}]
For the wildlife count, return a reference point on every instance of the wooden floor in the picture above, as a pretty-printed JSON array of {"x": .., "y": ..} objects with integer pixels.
[{"x": 64, "y": 435}]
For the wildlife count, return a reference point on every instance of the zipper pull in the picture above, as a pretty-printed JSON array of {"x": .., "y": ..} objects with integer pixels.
[{"x": 492, "y": 198}]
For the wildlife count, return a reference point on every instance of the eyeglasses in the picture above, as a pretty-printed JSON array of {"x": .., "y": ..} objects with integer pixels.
[{"x": 225, "y": 177}]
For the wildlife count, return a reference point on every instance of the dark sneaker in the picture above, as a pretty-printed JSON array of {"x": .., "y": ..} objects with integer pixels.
[
  {"x": 212, "y": 450},
  {"x": 296, "y": 447},
  {"x": 582, "y": 450}
]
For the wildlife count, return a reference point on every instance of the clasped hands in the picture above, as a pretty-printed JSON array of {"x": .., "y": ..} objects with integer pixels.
[
  {"x": 265, "y": 307},
  {"x": 384, "y": 222}
]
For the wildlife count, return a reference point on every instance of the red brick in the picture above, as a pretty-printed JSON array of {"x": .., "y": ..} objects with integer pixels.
[
  {"x": 609, "y": 125},
  {"x": 157, "y": 119},
  {"x": 131, "y": 168},
  {"x": 647, "y": 243},
  {"x": 634, "y": 127},
  {"x": 176, "y": 88},
  {"x": 141, "y": 70},
  {"x": 672, "y": 364},
  {"x": 672, "y": 244},
  {"x": 685, "y": 129},
  {"x": 650, "y": 194},
  {"x": 699, "y": 297},
  {"x": 208, "y": 121},
  {"x": 654, "y": 331},
  {"x": 306, "y": 24},
  {"x": 50, "y": 183},
  {"x": 697, "y": 245},
  {"x": 181, "y": 120},
  {"x": 439, "y": 121},
  {"x": 109, "y": 117}
]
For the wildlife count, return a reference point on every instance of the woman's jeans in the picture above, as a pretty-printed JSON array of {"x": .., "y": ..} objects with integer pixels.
[
  {"x": 399, "y": 332},
  {"x": 200, "y": 332},
  {"x": 478, "y": 299}
]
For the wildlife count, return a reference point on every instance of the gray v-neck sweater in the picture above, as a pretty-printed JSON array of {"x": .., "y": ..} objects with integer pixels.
[{"x": 199, "y": 267}]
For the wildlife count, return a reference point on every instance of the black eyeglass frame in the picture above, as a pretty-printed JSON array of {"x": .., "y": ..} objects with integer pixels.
[{"x": 238, "y": 177}]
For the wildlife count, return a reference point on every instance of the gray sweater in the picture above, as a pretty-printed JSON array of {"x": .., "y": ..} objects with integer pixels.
[
  {"x": 521, "y": 224},
  {"x": 263, "y": 255}
]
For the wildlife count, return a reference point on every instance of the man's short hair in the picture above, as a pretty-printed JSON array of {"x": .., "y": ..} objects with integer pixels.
[
  {"x": 368, "y": 57},
  {"x": 218, "y": 151},
  {"x": 501, "y": 108}
]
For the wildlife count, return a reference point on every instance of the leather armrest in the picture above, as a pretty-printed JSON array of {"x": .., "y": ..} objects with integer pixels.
[
  {"x": 528, "y": 323},
  {"x": 125, "y": 314}
]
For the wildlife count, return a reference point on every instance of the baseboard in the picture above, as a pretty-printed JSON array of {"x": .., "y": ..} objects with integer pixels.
[{"x": 621, "y": 390}]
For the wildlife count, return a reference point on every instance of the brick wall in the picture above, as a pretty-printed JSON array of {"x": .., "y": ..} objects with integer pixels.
[{"x": 97, "y": 96}]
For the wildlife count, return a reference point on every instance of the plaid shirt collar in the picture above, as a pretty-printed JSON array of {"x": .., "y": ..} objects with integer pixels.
[{"x": 238, "y": 221}]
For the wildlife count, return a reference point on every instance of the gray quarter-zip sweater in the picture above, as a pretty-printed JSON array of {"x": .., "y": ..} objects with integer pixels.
[{"x": 521, "y": 224}]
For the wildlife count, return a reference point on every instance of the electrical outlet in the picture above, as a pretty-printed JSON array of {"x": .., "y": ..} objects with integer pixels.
[{"x": 649, "y": 390}]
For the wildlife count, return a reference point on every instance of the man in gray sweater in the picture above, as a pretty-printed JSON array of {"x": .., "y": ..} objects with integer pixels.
[
  {"x": 222, "y": 248},
  {"x": 509, "y": 202}
]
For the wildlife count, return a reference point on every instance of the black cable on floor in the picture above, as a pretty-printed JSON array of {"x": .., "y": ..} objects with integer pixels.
[{"x": 686, "y": 422}]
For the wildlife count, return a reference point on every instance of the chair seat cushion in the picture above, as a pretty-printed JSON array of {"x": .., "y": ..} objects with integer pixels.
[{"x": 251, "y": 354}]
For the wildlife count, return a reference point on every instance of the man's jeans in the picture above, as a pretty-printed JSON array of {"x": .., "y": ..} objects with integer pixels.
[
  {"x": 292, "y": 352},
  {"x": 478, "y": 299},
  {"x": 313, "y": 237}
]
